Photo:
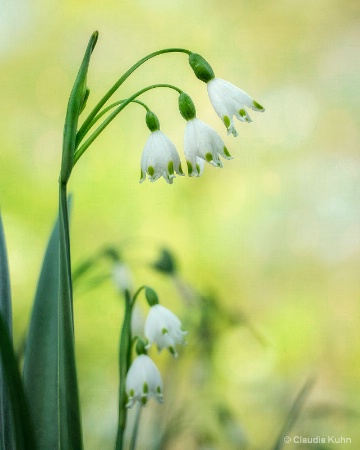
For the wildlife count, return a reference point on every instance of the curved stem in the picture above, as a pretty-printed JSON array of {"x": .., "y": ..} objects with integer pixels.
[
  {"x": 121, "y": 80},
  {"x": 79, "y": 152},
  {"x": 79, "y": 137}
]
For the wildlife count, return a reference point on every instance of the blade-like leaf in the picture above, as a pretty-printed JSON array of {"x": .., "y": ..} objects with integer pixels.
[
  {"x": 41, "y": 351},
  {"x": 6, "y": 425},
  {"x": 21, "y": 423},
  {"x": 293, "y": 413},
  {"x": 49, "y": 366}
]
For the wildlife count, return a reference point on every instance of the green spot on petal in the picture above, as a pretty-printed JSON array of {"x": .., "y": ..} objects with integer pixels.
[
  {"x": 226, "y": 121},
  {"x": 131, "y": 393},
  {"x": 172, "y": 350},
  {"x": 158, "y": 390},
  {"x": 151, "y": 170},
  {"x": 164, "y": 331},
  {"x": 189, "y": 166},
  {"x": 208, "y": 157},
  {"x": 258, "y": 106},
  {"x": 180, "y": 170},
  {"x": 171, "y": 167},
  {"x": 141, "y": 174},
  {"x": 226, "y": 151},
  {"x": 143, "y": 400},
  {"x": 198, "y": 168},
  {"x": 242, "y": 112},
  {"x": 145, "y": 388}
]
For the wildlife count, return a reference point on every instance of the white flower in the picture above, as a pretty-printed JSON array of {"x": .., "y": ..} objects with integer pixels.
[
  {"x": 159, "y": 158},
  {"x": 163, "y": 328},
  {"x": 202, "y": 142},
  {"x": 228, "y": 101},
  {"x": 143, "y": 380},
  {"x": 122, "y": 277}
]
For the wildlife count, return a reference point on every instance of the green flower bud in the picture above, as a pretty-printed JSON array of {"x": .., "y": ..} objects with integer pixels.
[
  {"x": 151, "y": 296},
  {"x": 201, "y": 67},
  {"x": 186, "y": 107},
  {"x": 165, "y": 263},
  {"x": 152, "y": 121},
  {"x": 140, "y": 347}
]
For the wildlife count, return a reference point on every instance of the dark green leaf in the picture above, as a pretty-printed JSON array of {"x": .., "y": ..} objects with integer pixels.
[
  {"x": 21, "y": 431},
  {"x": 7, "y": 435},
  {"x": 49, "y": 366}
]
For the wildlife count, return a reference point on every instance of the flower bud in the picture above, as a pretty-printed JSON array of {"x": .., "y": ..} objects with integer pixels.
[
  {"x": 165, "y": 263},
  {"x": 151, "y": 296},
  {"x": 186, "y": 107},
  {"x": 152, "y": 121},
  {"x": 201, "y": 67}
]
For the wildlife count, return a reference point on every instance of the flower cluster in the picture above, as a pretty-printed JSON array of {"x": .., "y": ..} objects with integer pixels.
[
  {"x": 143, "y": 379},
  {"x": 201, "y": 142}
]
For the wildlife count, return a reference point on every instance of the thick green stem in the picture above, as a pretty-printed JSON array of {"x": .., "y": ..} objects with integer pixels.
[
  {"x": 80, "y": 151},
  {"x": 124, "y": 362},
  {"x": 121, "y": 80}
]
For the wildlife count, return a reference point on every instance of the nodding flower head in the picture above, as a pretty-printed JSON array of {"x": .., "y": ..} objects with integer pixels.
[
  {"x": 202, "y": 143},
  {"x": 160, "y": 158},
  {"x": 228, "y": 101},
  {"x": 163, "y": 328},
  {"x": 143, "y": 381}
]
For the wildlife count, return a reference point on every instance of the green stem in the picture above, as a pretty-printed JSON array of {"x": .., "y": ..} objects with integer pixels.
[
  {"x": 121, "y": 80},
  {"x": 80, "y": 151},
  {"x": 136, "y": 427},
  {"x": 79, "y": 137},
  {"x": 124, "y": 362}
]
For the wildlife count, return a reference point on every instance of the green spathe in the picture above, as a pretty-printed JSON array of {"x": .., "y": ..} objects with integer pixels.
[{"x": 201, "y": 67}]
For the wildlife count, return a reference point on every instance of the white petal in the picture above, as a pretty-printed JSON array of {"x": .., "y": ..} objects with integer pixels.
[{"x": 143, "y": 380}]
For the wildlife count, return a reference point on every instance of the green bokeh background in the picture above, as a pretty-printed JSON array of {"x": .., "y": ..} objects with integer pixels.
[{"x": 275, "y": 234}]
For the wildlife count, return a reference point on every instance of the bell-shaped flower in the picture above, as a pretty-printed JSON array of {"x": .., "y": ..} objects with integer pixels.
[
  {"x": 163, "y": 328},
  {"x": 143, "y": 381},
  {"x": 160, "y": 158},
  {"x": 122, "y": 277},
  {"x": 228, "y": 101},
  {"x": 202, "y": 143}
]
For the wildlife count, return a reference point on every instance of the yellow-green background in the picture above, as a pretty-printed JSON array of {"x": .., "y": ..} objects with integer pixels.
[{"x": 275, "y": 233}]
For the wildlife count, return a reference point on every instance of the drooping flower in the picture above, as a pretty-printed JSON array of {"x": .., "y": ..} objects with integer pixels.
[
  {"x": 122, "y": 277},
  {"x": 163, "y": 328},
  {"x": 143, "y": 381},
  {"x": 160, "y": 158},
  {"x": 202, "y": 143},
  {"x": 228, "y": 101}
]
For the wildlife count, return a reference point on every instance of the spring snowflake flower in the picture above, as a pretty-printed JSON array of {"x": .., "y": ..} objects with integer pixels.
[
  {"x": 201, "y": 142},
  {"x": 122, "y": 277},
  {"x": 160, "y": 158},
  {"x": 163, "y": 328},
  {"x": 228, "y": 101},
  {"x": 143, "y": 381}
]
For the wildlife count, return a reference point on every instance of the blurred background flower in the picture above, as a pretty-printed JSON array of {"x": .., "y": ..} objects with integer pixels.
[{"x": 274, "y": 236}]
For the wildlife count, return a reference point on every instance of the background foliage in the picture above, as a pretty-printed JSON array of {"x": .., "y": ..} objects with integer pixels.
[{"x": 275, "y": 235}]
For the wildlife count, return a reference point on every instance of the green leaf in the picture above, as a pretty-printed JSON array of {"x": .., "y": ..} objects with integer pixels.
[
  {"x": 21, "y": 437},
  {"x": 7, "y": 436},
  {"x": 293, "y": 414},
  {"x": 49, "y": 366},
  {"x": 76, "y": 105}
]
